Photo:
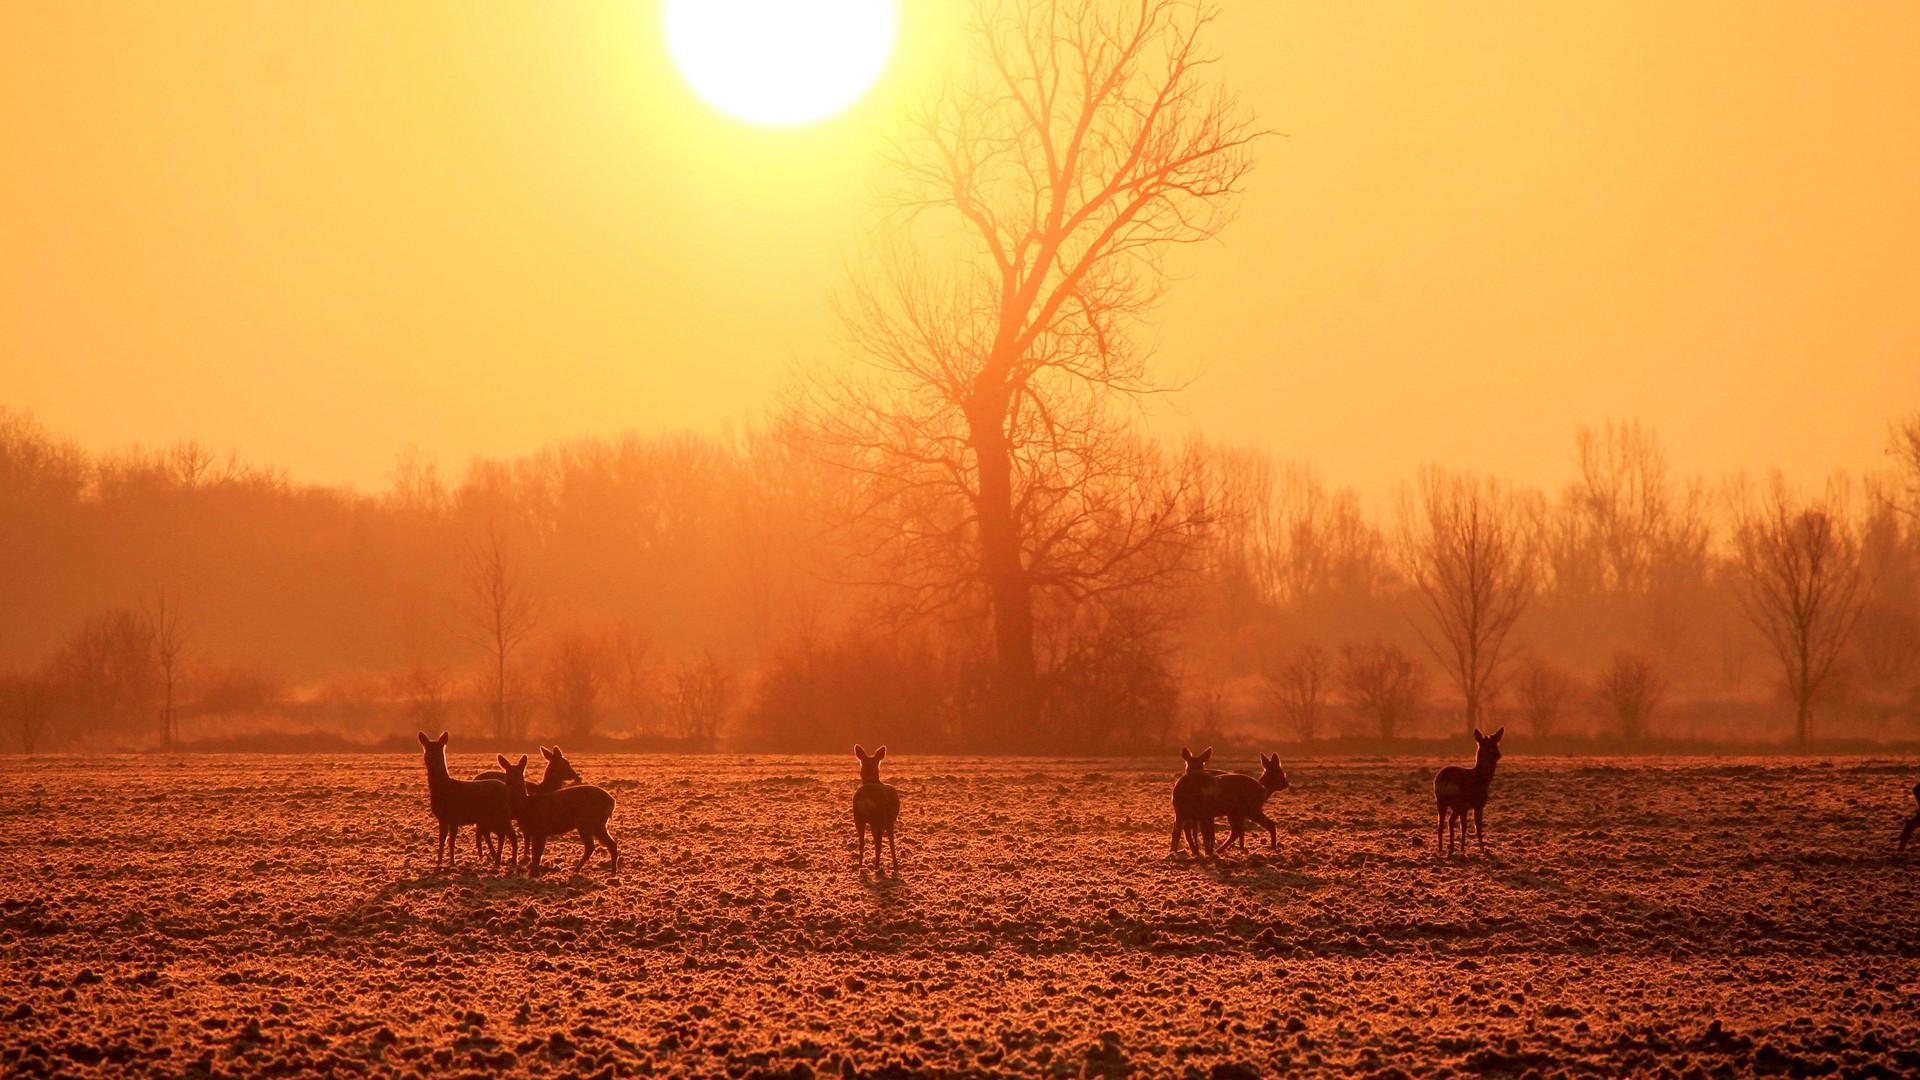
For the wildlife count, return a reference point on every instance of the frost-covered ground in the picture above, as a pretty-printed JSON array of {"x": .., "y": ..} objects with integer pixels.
[{"x": 271, "y": 914}]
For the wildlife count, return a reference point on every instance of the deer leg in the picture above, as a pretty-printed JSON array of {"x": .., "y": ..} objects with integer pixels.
[
  {"x": 892, "y": 852},
  {"x": 586, "y": 849},
  {"x": 613, "y": 849},
  {"x": 439, "y": 843},
  {"x": 1906, "y": 834},
  {"x": 513, "y": 839},
  {"x": 860, "y": 842},
  {"x": 1207, "y": 832},
  {"x": 1177, "y": 831},
  {"x": 1479, "y": 832},
  {"x": 539, "y": 845},
  {"x": 1273, "y": 831}
]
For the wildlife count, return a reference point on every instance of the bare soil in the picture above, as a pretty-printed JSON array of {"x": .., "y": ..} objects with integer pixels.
[{"x": 252, "y": 915}]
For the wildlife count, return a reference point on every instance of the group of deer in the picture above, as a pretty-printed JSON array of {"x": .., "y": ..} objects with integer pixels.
[
  {"x": 1202, "y": 795},
  {"x": 495, "y": 802}
]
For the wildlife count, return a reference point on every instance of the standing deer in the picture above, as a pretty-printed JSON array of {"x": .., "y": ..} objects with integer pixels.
[
  {"x": 1242, "y": 798},
  {"x": 1913, "y": 822},
  {"x": 1457, "y": 790},
  {"x": 876, "y": 806},
  {"x": 584, "y": 809},
  {"x": 480, "y": 803},
  {"x": 1193, "y": 801},
  {"x": 559, "y": 774}
]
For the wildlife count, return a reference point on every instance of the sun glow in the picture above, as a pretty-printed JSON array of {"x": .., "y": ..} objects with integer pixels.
[{"x": 780, "y": 62}]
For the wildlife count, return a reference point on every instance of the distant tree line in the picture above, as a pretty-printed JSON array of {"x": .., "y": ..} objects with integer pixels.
[{"x": 690, "y": 591}]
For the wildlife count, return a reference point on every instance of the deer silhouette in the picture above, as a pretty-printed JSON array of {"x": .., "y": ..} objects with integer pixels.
[
  {"x": 480, "y": 803},
  {"x": 583, "y": 809},
  {"x": 876, "y": 806},
  {"x": 1457, "y": 790},
  {"x": 559, "y": 773},
  {"x": 1193, "y": 802},
  {"x": 1243, "y": 798}
]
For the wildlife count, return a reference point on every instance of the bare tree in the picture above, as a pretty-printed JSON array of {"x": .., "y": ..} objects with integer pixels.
[
  {"x": 1083, "y": 148},
  {"x": 28, "y": 703},
  {"x": 701, "y": 695},
  {"x": 169, "y": 641},
  {"x": 1632, "y": 688},
  {"x": 1800, "y": 585},
  {"x": 1382, "y": 683},
  {"x": 576, "y": 676},
  {"x": 427, "y": 692},
  {"x": 1299, "y": 684},
  {"x": 1464, "y": 543},
  {"x": 503, "y": 615},
  {"x": 1545, "y": 690},
  {"x": 1903, "y": 443}
]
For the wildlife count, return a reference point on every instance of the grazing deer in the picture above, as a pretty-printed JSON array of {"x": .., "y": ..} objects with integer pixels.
[
  {"x": 1193, "y": 796},
  {"x": 876, "y": 806},
  {"x": 583, "y": 809},
  {"x": 1243, "y": 798},
  {"x": 1913, "y": 822},
  {"x": 559, "y": 774},
  {"x": 1457, "y": 790},
  {"x": 480, "y": 803}
]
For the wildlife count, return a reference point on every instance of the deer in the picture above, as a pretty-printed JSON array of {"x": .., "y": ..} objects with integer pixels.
[
  {"x": 584, "y": 809},
  {"x": 559, "y": 773},
  {"x": 1193, "y": 796},
  {"x": 876, "y": 806},
  {"x": 1243, "y": 798},
  {"x": 483, "y": 804},
  {"x": 1913, "y": 823},
  {"x": 1457, "y": 790}
]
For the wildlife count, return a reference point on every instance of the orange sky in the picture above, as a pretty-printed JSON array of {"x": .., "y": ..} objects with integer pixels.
[{"x": 319, "y": 233}]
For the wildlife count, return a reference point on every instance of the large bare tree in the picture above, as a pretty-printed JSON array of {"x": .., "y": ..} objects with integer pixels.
[
  {"x": 1040, "y": 193},
  {"x": 1800, "y": 585},
  {"x": 1465, "y": 544}
]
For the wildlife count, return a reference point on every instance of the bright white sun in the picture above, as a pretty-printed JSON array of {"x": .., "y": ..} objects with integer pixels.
[{"x": 780, "y": 62}]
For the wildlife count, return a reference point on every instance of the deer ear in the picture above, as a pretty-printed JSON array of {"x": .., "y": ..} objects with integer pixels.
[
  {"x": 1207, "y": 754},
  {"x": 1185, "y": 754},
  {"x": 1477, "y": 737},
  {"x": 442, "y": 740},
  {"x": 1495, "y": 737},
  {"x": 502, "y": 759},
  {"x": 880, "y": 753},
  {"x": 547, "y": 753},
  {"x": 859, "y": 751},
  {"x": 422, "y": 736},
  {"x": 523, "y": 761}
]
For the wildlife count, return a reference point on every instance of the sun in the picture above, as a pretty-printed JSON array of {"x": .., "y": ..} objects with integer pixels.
[{"x": 780, "y": 62}]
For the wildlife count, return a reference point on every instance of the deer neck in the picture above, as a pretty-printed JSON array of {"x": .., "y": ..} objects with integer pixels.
[{"x": 1483, "y": 771}]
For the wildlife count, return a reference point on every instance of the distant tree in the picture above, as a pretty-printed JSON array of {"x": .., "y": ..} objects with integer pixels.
[
  {"x": 576, "y": 675},
  {"x": 426, "y": 692},
  {"x": 108, "y": 669},
  {"x": 1799, "y": 576},
  {"x": 1632, "y": 687},
  {"x": 1299, "y": 683},
  {"x": 1382, "y": 683},
  {"x": 28, "y": 704},
  {"x": 502, "y": 615},
  {"x": 162, "y": 616},
  {"x": 1464, "y": 542},
  {"x": 1903, "y": 443},
  {"x": 701, "y": 695},
  {"x": 1545, "y": 690},
  {"x": 1085, "y": 148}
]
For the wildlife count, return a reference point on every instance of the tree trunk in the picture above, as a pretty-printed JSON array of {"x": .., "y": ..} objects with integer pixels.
[
  {"x": 1015, "y": 695},
  {"x": 1803, "y": 722}
]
